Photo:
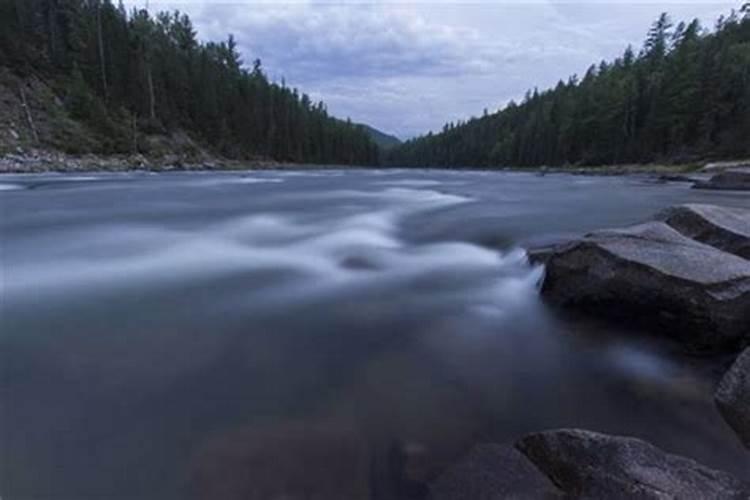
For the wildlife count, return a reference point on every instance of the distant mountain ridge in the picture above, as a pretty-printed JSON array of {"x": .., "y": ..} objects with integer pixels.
[{"x": 383, "y": 140}]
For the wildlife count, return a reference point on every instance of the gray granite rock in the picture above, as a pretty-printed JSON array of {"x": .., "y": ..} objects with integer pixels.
[
  {"x": 731, "y": 180},
  {"x": 587, "y": 464},
  {"x": 653, "y": 274},
  {"x": 733, "y": 397},
  {"x": 727, "y": 229}
]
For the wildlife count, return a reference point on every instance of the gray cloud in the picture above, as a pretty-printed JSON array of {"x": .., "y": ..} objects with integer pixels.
[{"x": 408, "y": 67}]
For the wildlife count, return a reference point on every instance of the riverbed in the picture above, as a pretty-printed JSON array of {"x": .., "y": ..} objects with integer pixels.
[{"x": 156, "y": 325}]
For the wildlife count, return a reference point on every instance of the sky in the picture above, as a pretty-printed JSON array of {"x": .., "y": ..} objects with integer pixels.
[{"x": 408, "y": 67}]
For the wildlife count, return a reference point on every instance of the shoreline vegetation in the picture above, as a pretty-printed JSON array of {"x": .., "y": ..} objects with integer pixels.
[
  {"x": 47, "y": 161},
  {"x": 90, "y": 77},
  {"x": 683, "y": 97},
  {"x": 137, "y": 90}
]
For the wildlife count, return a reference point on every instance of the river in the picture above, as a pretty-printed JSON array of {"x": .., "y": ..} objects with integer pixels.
[{"x": 165, "y": 333}]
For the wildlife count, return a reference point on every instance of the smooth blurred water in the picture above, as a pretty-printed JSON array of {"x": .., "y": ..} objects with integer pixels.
[{"x": 167, "y": 336}]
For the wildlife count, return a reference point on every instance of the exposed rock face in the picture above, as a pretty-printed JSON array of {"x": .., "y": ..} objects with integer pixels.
[
  {"x": 731, "y": 180},
  {"x": 678, "y": 178},
  {"x": 540, "y": 255},
  {"x": 724, "y": 228},
  {"x": 591, "y": 465},
  {"x": 652, "y": 273},
  {"x": 493, "y": 472},
  {"x": 733, "y": 397},
  {"x": 725, "y": 165}
]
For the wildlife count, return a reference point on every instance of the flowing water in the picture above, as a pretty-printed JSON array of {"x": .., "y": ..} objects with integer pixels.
[{"x": 209, "y": 334}]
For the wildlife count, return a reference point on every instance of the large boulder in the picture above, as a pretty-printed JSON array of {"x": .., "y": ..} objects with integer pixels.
[
  {"x": 587, "y": 464},
  {"x": 733, "y": 397},
  {"x": 493, "y": 472},
  {"x": 726, "y": 165},
  {"x": 731, "y": 180},
  {"x": 727, "y": 229},
  {"x": 654, "y": 274}
]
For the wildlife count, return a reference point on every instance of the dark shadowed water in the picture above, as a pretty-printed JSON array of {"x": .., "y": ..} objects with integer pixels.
[{"x": 216, "y": 335}]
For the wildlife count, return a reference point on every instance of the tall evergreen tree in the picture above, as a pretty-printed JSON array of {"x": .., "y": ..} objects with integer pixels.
[
  {"x": 120, "y": 67},
  {"x": 685, "y": 96}
]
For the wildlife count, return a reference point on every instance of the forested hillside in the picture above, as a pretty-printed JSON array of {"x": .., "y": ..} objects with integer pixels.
[
  {"x": 684, "y": 96},
  {"x": 128, "y": 74},
  {"x": 383, "y": 140}
]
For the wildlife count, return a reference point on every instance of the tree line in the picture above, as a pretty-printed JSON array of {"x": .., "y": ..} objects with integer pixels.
[
  {"x": 684, "y": 96},
  {"x": 122, "y": 71}
]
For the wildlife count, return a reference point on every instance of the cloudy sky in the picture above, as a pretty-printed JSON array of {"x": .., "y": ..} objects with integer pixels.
[{"x": 407, "y": 67}]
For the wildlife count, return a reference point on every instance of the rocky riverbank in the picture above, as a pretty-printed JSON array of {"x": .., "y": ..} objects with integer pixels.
[
  {"x": 40, "y": 161},
  {"x": 685, "y": 274},
  {"x": 574, "y": 463},
  {"x": 724, "y": 176},
  {"x": 730, "y": 180}
]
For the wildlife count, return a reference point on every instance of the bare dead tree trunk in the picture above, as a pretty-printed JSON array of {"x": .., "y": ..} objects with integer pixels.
[
  {"x": 102, "y": 61},
  {"x": 151, "y": 96},
  {"x": 135, "y": 134},
  {"x": 20, "y": 12},
  {"x": 29, "y": 118}
]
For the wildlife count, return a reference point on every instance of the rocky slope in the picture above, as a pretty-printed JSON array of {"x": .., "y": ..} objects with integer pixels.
[{"x": 38, "y": 132}]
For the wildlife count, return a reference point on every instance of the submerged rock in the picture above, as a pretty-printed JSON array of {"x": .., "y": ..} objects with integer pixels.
[
  {"x": 284, "y": 460},
  {"x": 493, "y": 472},
  {"x": 677, "y": 178},
  {"x": 652, "y": 273},
  {"x": 731, "y": 180},
  {"x": 733, "y": 397},
  {"x": 587, "y": 464},
  {"x": 724, "y": 228}
]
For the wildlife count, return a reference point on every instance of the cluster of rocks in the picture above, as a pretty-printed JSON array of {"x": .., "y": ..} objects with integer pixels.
[
  {"x": 687, "y": 275},
  {"x": 39, "y": 161},
  {"x": 726, "y": 176},
  {"x": 573, "y": 463},
  {"x": 730, "y": 180},
  {"x": 576, "y": 463},
  {"x": 34, "y": 161}
]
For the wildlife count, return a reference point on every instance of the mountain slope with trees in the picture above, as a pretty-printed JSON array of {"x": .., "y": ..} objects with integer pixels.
[
  {"x": 383, "y": 140},
  {"x": 128, "y": 75},
  {"x": 684, "y": 96}
]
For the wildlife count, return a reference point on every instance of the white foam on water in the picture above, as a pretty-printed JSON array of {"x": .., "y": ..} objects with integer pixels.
[
  {"x": 397, "y": 199},
  {"x": 75, "y": 178},
  {"x": 419, "y": 183},
  {"x": 228, "y": 179},
  {"x": 10, "y": 187},
  {"x": 638, "y": 362},
  {"x": 261, "y": 229},
  {"x": 411, "y": 182},
  {"x": 515, "y": 287},
  {"x": 318, "y": 257},
  {"x": 315, "y": 173},
  {"x": 651, "y": 369},
  {"x": 259, "y": 180}
]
